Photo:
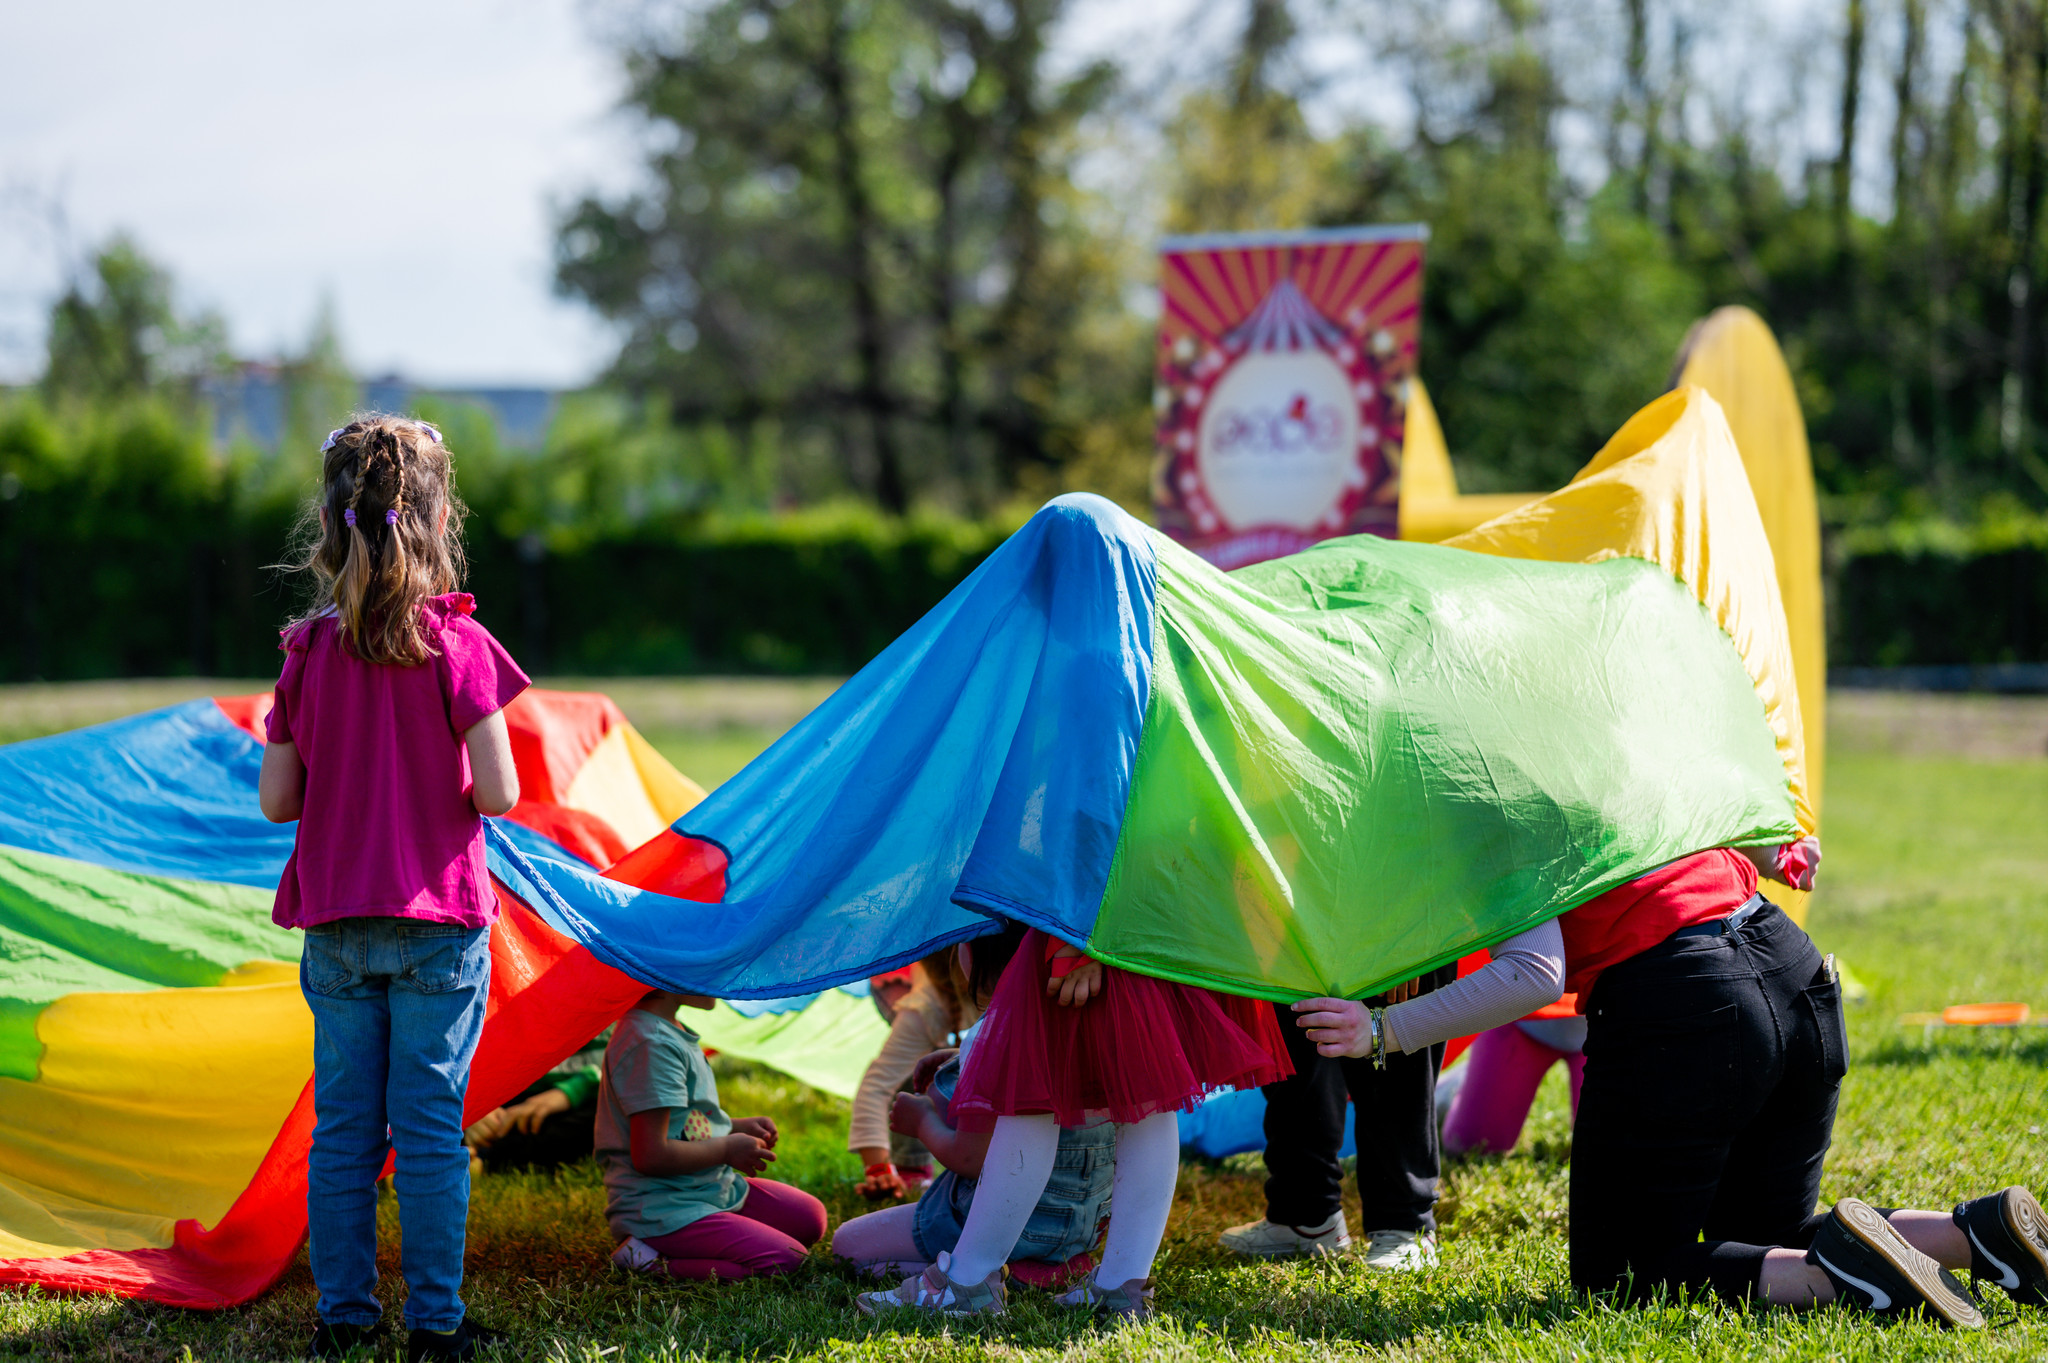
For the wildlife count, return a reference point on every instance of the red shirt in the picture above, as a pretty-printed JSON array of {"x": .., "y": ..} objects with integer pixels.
[
  {"x": 1632, "y": 918},
  {"x": 388, "y": 830}
]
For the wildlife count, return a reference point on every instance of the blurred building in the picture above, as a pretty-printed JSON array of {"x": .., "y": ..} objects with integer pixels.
[{"x": 254, "y": 402}]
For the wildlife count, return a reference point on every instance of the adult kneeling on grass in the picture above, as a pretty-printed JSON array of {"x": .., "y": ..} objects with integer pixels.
[{"x": 1715, "y": 1051}]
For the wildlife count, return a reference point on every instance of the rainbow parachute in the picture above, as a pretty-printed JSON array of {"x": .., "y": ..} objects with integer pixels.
[
  {"x": 155, "y": 1051},
  {"x": 1320, "y": 775}
]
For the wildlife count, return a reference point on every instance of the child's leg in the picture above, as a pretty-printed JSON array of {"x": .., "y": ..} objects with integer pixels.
[
  {"x": 1013, "y": 1176},
  {"x": 441, "y": 977},
  {"x": 1506, "y": 1068},
  {"x": 351, "y": 1044},
  {"x": 1147, "y": 1167},
  {"x": 1575, "y": 1065},
  {"x": 1400, "y": 1148},
  {"x": 727, "y": 1245},
  {"x": 792, "y": 1211},
  {"x": 881, "y": 1241}
]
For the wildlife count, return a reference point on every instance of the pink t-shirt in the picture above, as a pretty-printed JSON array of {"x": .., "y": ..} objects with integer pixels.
[{"x": 388, "y": 830}]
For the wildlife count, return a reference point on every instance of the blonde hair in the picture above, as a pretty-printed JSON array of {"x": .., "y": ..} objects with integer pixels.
[{"x": 384, "y": 535}]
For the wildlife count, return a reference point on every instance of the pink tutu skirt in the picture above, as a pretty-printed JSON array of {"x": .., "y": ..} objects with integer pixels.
[{"x": 1142, "y": 1046}]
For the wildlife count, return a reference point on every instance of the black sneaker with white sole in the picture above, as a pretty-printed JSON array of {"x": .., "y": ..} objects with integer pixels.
[
  {"x": 2008, "y": 1243},
  {"x": 1873, "y": 1267}
]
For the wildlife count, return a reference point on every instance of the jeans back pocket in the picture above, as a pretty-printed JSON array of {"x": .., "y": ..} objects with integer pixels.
[
  {"x": 1824, "y": 1002},
  {"x": 441, "y": 958},
  {"x": 325, "y": 967}
]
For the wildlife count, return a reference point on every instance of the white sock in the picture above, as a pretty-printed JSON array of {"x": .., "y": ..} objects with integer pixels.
[
  {"x": 1012, "y": 1180},
  {"x": 1147, "y": 1167}
]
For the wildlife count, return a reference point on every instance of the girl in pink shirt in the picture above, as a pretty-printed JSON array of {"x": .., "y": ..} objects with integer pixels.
[{"x": 388, "y": 744}]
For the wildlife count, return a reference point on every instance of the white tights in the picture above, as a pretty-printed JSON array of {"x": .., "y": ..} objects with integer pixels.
[{"x": 1013, "y": 1178}]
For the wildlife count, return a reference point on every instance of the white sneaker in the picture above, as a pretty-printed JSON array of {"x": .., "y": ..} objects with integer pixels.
[
  {"x": 635, "y": 1255},
  {"x": 1400, "y": 1251},
  {"x": 1266, "y": 1240}
]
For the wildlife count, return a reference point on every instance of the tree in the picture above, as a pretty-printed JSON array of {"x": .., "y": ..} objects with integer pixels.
[
  {"x": 116, "y": 334},
  {"x": 1244, "y": 158},
  {"x": 862, "y": 223}
]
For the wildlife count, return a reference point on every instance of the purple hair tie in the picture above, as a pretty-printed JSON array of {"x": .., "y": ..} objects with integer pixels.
[
  {"x": 349, "y": 516},
  {"x": 332, "y": 436},
  {"x": 391, "y": 516}
]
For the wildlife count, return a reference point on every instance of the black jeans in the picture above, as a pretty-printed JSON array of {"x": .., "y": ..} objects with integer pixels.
[
  {"x": 1395, "y": 1125},
  {"x": 1712, "y": 1069}
]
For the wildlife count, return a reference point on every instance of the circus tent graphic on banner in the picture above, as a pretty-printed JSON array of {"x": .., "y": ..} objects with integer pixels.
[{"x": 1283, "y": 361}]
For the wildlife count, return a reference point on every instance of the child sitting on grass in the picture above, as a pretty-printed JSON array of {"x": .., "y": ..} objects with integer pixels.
[
  {"x": 679, "y": 1191},
  {"x": 927, "y": 1016},
  {"x": 1065, "y": 1222}
]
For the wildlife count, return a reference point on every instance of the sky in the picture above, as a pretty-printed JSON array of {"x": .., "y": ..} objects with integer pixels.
[
  {"x": 397, "y": 158},
  {"x": 404, "y": 159}
]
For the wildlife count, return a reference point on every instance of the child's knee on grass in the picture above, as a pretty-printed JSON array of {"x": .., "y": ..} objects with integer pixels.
[{"x": 882, "y": 1237}]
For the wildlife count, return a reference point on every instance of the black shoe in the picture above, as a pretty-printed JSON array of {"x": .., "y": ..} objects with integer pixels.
[
  {"x": 463, "y": 1342},
  {"x": 2008, "y": 1243},
  {"x": 337, "y": 1341},
  {"x": 1873, "y": 1267}
]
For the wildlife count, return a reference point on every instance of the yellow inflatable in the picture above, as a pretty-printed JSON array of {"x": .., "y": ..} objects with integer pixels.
[
  {"x": 1432, "y": 509},
  {"x": 1733, "y": 355}
]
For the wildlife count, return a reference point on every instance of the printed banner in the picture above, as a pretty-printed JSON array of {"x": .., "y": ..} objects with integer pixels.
[{"x": 1282, "y": 378}]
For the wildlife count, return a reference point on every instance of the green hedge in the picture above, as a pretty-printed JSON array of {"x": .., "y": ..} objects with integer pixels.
[
  {"x": 129, "y": 547},
  {"x": 1933, "y": 593},
  {"x": 123, "y": 552},
  {"x": 802, "y": 594}
]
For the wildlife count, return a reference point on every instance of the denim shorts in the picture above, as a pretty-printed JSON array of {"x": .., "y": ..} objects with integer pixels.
[{"x": 1069, "y": 1213}]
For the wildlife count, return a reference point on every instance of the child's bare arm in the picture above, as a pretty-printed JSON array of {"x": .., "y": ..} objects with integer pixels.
[
  {"x": 654, "y": 1153},
  {"x": 281, "y": 785},
  {"x": 494, "y": 780},
  {"x": 961, "y": 1151}
]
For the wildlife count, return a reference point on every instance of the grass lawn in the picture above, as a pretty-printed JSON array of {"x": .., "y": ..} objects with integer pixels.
[{"x": 1936, "y": 892}]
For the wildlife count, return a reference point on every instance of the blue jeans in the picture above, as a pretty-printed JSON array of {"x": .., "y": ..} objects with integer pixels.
[
  {"x": 1069, "y": 1215},
  {"x": 397, "y": 1005}
]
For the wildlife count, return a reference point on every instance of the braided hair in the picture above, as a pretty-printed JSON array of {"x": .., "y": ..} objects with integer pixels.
[{"x": 384, "y": 535}]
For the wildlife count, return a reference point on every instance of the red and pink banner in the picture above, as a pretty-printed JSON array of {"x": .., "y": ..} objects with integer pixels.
[{"x": 1282, "y": 378}]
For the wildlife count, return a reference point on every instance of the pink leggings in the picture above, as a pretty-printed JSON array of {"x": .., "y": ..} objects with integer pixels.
[
  {"x": 1503, "y": 1070},
  {"x": 768, "y": 1234}
]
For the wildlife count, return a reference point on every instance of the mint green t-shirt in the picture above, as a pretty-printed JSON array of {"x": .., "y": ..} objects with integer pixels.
[{"x": 652, "y": 1063}]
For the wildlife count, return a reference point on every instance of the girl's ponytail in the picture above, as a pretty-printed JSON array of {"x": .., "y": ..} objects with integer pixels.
[
  {"x": 352, "y": 585},
  {"x": 384, "y": 535},
  {"x": 395, "y": 565}
]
